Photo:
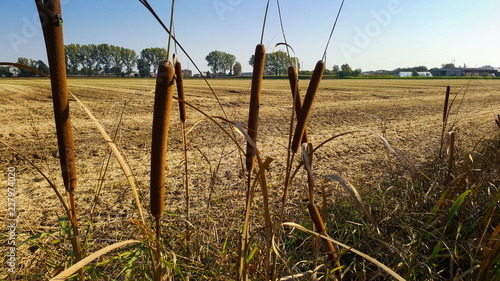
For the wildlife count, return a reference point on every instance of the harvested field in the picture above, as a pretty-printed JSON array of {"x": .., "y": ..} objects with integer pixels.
[{"x": 407, "y": 112}]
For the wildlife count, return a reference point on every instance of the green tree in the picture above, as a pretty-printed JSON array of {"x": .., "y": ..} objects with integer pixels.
[
  {"x": 335, "y": 70},
  {"x": 153, "y": 57},
  {"x": 345, "y": 70},
  {"x": 90, "y": 58},
  {"x": 104, "y": 53},
  {"x": 227, "y": 62},
  {"x": 40, "y": 65},
  {"x": 237, "y": 68},
  {"x": 28, "y": 62},
  {"x": 129, "y": 59},
  {"x": 277, "y": 63},
  {"x": 214, "y": 61},
  {"x": 144, "y": 67},
  {"x": 73, "y": 58},
  {"x": 116, "y": 59}
]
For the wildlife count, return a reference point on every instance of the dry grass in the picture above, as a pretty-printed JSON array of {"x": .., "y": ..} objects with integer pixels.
[{"x": 406, "y": 112}]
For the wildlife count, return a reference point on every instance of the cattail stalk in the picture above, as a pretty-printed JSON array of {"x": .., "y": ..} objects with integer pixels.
[
  {"x": 253, "y": 117},
  {"x": 182, "y": 112},
  {"x": 305, "y": 111},
  {"x": 445, "y": 117},
  {"x": 161, "y": 122},
  {"x": 51, "y": 21},
  {"x": 327, "y": 244},
  {"x": 293, "y": 78}
]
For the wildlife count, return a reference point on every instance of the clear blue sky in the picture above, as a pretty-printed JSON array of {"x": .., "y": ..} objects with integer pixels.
[{"x": 370, "y": 34}]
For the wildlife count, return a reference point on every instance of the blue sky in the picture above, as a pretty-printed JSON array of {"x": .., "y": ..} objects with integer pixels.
[{"x": 370, "y": 34}]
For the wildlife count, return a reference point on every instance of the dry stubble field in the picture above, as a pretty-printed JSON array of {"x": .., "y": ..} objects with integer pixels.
[{"x": 407, "y": 112}]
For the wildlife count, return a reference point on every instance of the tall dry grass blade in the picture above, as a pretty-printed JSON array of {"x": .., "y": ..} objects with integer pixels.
[
  {"x": 116, "y": 152},
  {"x": 365, "y": 256},
  {"x": 242, "y": 273},
  {"x": 253, "y": 115},
  {"x": 357, "y": 198},
  {"x": 305, "y": 111},
  {"x": 451, "y": 158},
  {"x": 333, "y": 29},
  {"x": 327, "y": 244},
  {"x": 77, "y": 266},
  {"x": 18, "y": 65}
]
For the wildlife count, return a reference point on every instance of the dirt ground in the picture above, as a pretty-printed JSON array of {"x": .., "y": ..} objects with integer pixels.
[{"x": 407, "y": 112}]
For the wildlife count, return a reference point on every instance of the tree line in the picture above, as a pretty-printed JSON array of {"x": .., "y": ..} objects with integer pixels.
[{"x": 92, "y": 59}]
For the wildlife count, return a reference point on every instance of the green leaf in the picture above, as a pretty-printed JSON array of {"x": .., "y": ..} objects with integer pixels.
[{"x": 456, "y": 205}]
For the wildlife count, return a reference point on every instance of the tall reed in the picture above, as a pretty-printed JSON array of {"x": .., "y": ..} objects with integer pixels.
[
  {"x": 51, "y": 19},
  {"x": 305, "y": 111},
  {"x": 253, "y": 116},
  {"x": 182, "y": 113},
  {"x": 293, "y": 78},
  {"x": 161, "y": 122}
]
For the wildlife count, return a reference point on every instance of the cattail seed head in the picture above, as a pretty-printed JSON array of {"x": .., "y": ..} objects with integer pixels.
[
  {"x": 161, "y": 122},
  {"x": 293, "y": 78},
  {"x": 253, "y": 116},
  {"x": 305, "y": 111},
  {"x": 180, "y": 91}
]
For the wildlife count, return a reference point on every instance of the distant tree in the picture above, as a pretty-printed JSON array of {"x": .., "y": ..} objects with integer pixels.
[
  {"x": 129, "y": 59},
  {"x": 4, "y": 71},
  {"x": 153, "y": 56},
  {"x": 345, "y": 71},
  {"x": 327, "y": 72},
  {"x": 90, "y": 58},
  {"x": 40, "y": 65},
  {"x": 357, "y": 72},
  {"x": 144, "y": 67},
  {"x": 116, "y": 59},
  {"x": 277, "y": 63},
  {"x": 237, "y": 68},
  {"x": 414, "y": 73},
  {"x": 448, "y": 65},
  {"x": 73, "y": 57},
  {"x": 28, "y": 62},
  {"x": 335, "y": 69},
  {"x": 227, "y": 62},
  {"x": 104, "y": 53},
  {"x": 215, "y": 61}
]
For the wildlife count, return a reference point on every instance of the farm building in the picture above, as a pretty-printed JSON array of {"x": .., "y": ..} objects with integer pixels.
[
  {"x": 404, "y": 74},
  {"x": 448, "y": 72},
  {"x": 410, "y": 74},
  {"x": 187, "y": 73}
]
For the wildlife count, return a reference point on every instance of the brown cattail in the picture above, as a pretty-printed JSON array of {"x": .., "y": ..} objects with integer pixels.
[
  {"x": 446, "y": 98},
  {"x": 305, "y": 111},
  {"x": 180, "y": 91},
  {"x": 253, "y": 117},
  {"x": 50, "y": 17},
  {"x": 161, "y": 122},
  {"x": 294, "y": 85},
  {"x": 327, "y": 244}
]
